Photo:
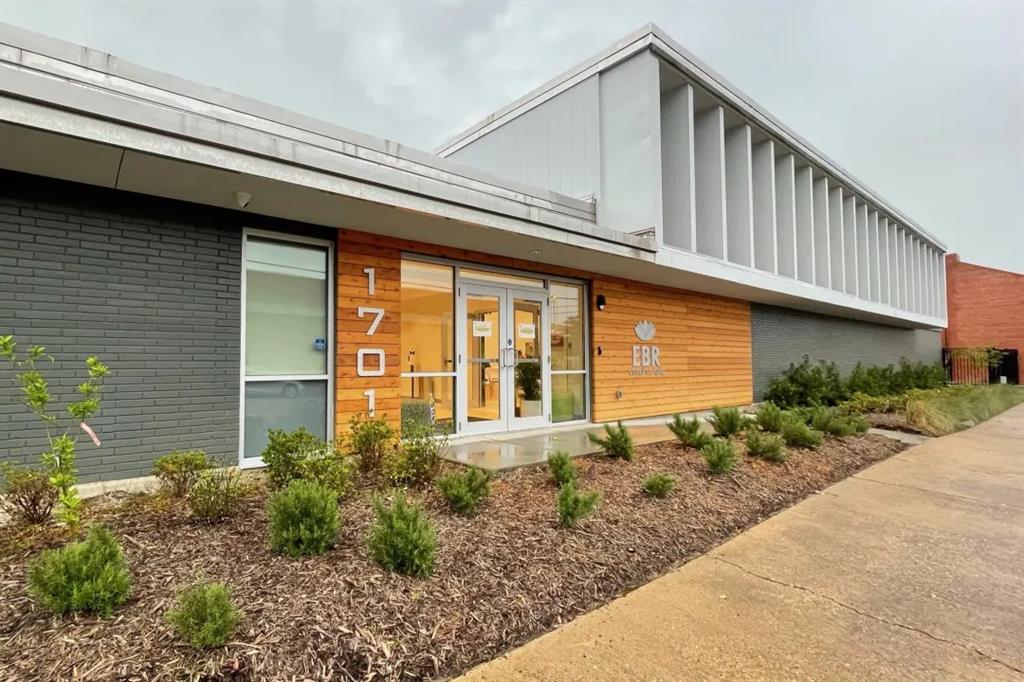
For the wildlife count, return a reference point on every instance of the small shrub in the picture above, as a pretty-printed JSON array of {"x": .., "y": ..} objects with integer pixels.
[
  {"x": 861, "y": 403},
  {"x": 832, "y": 421},
  {"x": 574, "y": 506},
  {"x": 659, "y": 485},
  {"x": 727, "y": 421},
  {"x": 417, "y": 459},
  {"x": 204, "y": 615},
  {"x": 330, "y": 468},
  {"x": 403, "y": 539},
  {"x": 179, "y": 470},
  {"x": 216, "y": 495},
  {"x": 466, "y": 490},
  {"x": 285, "y": 450},
  {"x": 90, "y": 575},
  {"x": 720, "y": 455},
  {"x": 797, "y": 434},
  {"x": 27, "y": 495},
  {"x": 371, "y": 439},
  {"x": 688, "y": 431},
  {"x": 766, "y": 446},
  {"x": 769, "y": 417},
  {"x": 616, "y": 442},
  {"x": 303, "y": 519},
  {"x": 563, "y": 469},
  {"x": 807, "y": 384}
]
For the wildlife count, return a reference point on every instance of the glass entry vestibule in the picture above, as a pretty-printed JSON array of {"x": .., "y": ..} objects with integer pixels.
[{"x": 488, "y": 350}]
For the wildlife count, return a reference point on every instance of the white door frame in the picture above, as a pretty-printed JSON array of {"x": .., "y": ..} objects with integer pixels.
[{"x": 251, "y": 462}]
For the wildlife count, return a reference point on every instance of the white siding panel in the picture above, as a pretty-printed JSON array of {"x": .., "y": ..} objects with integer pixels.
[
  {"x": 709, "y": 164},
  {"x": 837, "y": 246},
  {"x": 805, "y": 224},
  {"x": 873, "y": 260},
  {"x": 739, "y": 196},
  {"x": 822, "y": 258},
  {"x": 785, "y": 207},
  {"x": 765, "y": 248},
  {"x": 677, "y": 175},
  {"x": 850, "y": 242}
]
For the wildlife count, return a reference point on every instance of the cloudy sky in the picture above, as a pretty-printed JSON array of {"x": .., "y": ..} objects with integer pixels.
[{"x": 923, "y": 101}]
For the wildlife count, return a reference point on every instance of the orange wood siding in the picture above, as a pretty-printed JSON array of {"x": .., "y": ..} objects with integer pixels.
[{"x": 704, "y": 344}]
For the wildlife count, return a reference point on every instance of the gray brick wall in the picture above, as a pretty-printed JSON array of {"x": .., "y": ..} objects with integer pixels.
[
  {"x": 152, "y": 288},
  {"x": 780, "y": 336}
]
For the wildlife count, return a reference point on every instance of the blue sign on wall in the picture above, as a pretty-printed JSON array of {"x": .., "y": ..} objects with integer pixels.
[{"x": 320, "y": 344}]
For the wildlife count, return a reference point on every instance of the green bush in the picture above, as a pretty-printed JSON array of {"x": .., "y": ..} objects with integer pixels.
[
  {"x": 179, "y": 470},
  {"x": 328, "y": 467},
  {"x": 659, "y": 485},
  {"x": 688, "y": 432},
  {"x": 796, "y": 433},
  {"x": 574, "y": 506},
  {"x": 303, "y": 519},
  {"x": 727, "y": 421},
  {"x": 563, "y": 469},
  {"x": 465, "y": 490},
  {"x": 371, "y": 440},
  {"x": 91, "y": 575},
  {"x": 769, "y": 417},
  {"x": 417, "y": 458},
  {"x": 216, "y": 494},
  {"x": 765, "y": 445},
  {"x": 831, "y": 420},
  {"x": 861, "y": 403},
  {"x": 616, "y": 442},
  {"x": 941, "y": 411},
  {"x": 27, "y": 495},
  {"x": 720, "y": 455},
  {"x": 807, "y": 384},
  {"x": 403, "y": 539},
  {"x": 285, "y": 450},
  {"x": 204, "y": 615}
]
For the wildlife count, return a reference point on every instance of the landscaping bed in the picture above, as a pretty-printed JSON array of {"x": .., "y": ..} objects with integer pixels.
[{"x": 501, "y": 578}]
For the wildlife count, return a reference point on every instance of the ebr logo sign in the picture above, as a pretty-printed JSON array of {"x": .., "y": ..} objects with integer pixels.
[{"x": 646, "y": 357}]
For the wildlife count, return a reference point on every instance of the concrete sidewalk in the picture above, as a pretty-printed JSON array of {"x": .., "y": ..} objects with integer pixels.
[{"x": 912, "y": 569}]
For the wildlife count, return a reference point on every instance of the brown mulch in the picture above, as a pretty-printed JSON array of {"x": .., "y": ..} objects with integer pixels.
[{"x": 501, "y": 578}]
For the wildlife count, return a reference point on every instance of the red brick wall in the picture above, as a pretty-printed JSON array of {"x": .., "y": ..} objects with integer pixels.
[{"x": 985, "y": 308}]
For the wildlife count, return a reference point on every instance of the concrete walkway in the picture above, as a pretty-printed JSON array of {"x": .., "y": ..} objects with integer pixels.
[{"x": 911, "y": 570}]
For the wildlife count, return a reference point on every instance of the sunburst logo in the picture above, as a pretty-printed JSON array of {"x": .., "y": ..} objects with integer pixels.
[{"x": 644, "y": 330}]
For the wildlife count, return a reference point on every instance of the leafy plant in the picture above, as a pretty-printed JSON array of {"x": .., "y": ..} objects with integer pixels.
[
  {"x": 216, "y": 494},
  {"x": 179, "y": 470},
  {"x": 303, "y": 519},
  {"x": 328, "y": 467},
  {"x": 574, "y": 506},
  {"x": 61, "y": 436},
  {"x": 688, "y": 431},
  {"x": 659, "y": 485},
  {"x": 769, "y": 417},
  {"x": 90, "y": 575},
  {"x": 563, "y": 469},
  {"x": 417, "y": 458},
  {"x": 528, "y": 379},
  {"x": 204, "y": 615},
  {"x": 807, "y": 384},
  {"x": 371, "y": 439},
  {"x": 616, "y": 442},
  {"x": 27, "y": 494},
  {"x": 766, "y": 445},
  {"x": 285, "y": 451},
  {"x": 720, "y": 455},
  {"x": 403, "y": 539},
  {"x": 465, "y": 490},
  {"x": 727, "y": 421},
  {"x": 862, "y": 403},
  {"x": 796, "y": 433}
]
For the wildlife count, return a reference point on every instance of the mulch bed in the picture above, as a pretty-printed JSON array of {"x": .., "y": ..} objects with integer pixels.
[{"x": 501, "y": 578}]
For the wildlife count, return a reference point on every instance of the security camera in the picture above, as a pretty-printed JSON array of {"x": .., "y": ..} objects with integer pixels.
[{"x": 243, "y": 199}]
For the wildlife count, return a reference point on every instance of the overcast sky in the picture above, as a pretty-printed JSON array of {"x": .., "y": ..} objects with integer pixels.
[{"x": 922, "y": 101}]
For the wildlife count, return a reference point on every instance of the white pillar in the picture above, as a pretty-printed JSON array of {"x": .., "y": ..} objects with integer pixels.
[
  {"x": 837, "y": 265},
  {"x": 785, "y": 207},
  {"x": 850, "y": 242},
  {"x": 765, "y": 248},
  {"x": 822, "y": 259},
  {"x": 901, "y": 266},
  {"x": 677, "y": 176},
  {"x": 709, "y": 168},
  {"x": 739, "y": 196},
  {"x": 884, "y": 264},
  {"x": 805, "y": 224},
  {"x": 873, "y": 260},
  {"x": 943, "y": 313},
  {"x": 863, "y": 274}
]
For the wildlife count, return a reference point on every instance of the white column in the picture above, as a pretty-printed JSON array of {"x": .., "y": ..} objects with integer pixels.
[
  {"x": 765, "y": 248},
  {"x": 850, "y": 242},
  {"x": 709, "y": 169},
  {"x": 837, "y": 266},
  {"x": 822, "y": 259},
  {"x": 739, "y": 196},
  {"x": 919, "y": 274},
  {"x": 677, "y": 176},
  {"x": 884, "y": 264},
  {"x": 863, "y": 274},
  {"x": 943, "y": 313},
  {"x": 785, "y": 207},
  {"x": 873, "y": 259},
  {"x": 901, "y": 266},
  {"x": 805, "y": 224}
]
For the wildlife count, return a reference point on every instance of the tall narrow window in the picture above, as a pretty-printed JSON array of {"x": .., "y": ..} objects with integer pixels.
[
  {"x": 568, "y": 353},
  {"x": 427, "y": 346}
]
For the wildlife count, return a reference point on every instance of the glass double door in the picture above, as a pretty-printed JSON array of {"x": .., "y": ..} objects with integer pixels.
[{"x": 503, "y": 359}]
